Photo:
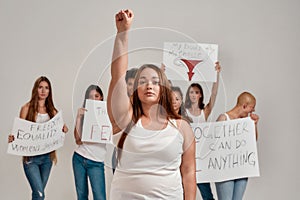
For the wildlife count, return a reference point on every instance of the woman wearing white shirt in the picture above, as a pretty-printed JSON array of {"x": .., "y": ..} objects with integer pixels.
[
  {"x": 88, "y": 158},
  {"x": 199, "y": 113}
]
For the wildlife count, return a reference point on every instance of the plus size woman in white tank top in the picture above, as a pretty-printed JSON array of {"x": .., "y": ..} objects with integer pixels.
[{"x": 156, "y": 150}]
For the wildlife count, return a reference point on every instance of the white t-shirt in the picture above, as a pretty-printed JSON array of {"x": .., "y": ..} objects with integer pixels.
[{"x": 92, "y": 151}]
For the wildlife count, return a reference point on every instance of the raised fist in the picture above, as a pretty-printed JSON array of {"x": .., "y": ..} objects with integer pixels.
[
  {"x": 254, "y": 117},
  {"x": 123, "y": 20}
]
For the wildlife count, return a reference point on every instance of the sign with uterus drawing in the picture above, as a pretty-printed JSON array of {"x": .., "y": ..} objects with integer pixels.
[{"x": 190, "y": 61}]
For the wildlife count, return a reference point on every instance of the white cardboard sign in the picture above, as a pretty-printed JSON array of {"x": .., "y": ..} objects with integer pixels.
[
  {"x": 190, "y": 61},
  {"x": 96, "y": 125},
  {"x": 37, "y": 138},
  {"x": 225, "y": 150}
]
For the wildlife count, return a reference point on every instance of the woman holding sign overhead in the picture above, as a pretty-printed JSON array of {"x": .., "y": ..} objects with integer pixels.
[
  {"x": 39, "y": 109},
  {"x": 194, "y": 100},
  {"x": 88, "y": 158},
  {"x": 199, "y": 113},
  {"x": 156, "y": 151}
]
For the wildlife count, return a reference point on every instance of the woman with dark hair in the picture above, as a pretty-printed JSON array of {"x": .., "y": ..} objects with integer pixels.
[
  {"x": 194, "y": 100},
  {"x": 199, "y": 113},
  {"x": 88, "y": 158},
  {"x": 156, "y": 151},
  {"x": 178, "y": 104},
  {"x": 39, "y": 109}
]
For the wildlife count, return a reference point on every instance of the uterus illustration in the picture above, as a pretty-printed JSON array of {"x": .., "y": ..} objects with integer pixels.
[{"x": 190, "y": 64}]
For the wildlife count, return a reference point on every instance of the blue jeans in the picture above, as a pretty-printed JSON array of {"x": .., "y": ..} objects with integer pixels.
[
  {"x": 232, "y": 189},
  {"x": 37, "y": 170},
  {"x": 83, "y": 169},
  {"x": 205, "y": 191}
]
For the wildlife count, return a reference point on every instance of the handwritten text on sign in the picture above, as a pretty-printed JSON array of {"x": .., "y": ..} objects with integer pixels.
[
  {"x": 225, "y": 150},
  {"x": 190, "y": 61},
  {"x": 96, "y": 124},
  {"x": 36, "y": 138}
]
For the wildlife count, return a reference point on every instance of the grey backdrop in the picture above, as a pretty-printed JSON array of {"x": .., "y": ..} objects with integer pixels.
[{"x": 70, "y": 41}]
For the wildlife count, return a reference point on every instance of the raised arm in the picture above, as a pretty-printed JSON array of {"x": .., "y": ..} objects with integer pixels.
[
  {"x": 208, "y": 108},
  {"x": 118, "y": 104}
]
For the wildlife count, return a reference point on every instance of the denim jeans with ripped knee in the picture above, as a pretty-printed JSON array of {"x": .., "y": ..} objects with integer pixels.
[{"x": 37, "y": 170}]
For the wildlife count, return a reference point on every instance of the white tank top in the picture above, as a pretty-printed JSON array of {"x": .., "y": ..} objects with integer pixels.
[
  {"x": 197, "y": 119},
  {"x": 227, "y": 116},
  {"x": 149, "y": 165},
  {"x": 41, "y": 118}
]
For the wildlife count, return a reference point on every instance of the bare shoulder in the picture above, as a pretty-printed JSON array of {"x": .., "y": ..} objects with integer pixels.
[
  {"x": 24, "y": 111},
  {"x": 222, "y": 117},
  {"x": 187, "y": 133},
  {"x": 181, "y": 123},
  {"x": 183, "y": 126}
]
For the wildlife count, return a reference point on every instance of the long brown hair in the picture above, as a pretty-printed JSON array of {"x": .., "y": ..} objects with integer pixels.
[
  {"x": 182, "y": 110},
  {"x": 33, "y": 103},
  {"x": 33, "y": 107},
  {"x": 188, "y": 102},
  {"x": 165, "y": 102}
]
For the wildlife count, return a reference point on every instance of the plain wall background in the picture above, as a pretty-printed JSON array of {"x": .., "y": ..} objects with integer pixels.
[{"x": 258, "y": 50}]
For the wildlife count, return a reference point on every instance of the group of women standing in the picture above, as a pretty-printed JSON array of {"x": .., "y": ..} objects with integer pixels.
[
  {"x": 156, "y": 149},
  {"x": 88, "y": 158},
  {"x": 194, "y": 110}
]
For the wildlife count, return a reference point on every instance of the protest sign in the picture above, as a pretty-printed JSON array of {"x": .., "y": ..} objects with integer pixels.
[
  {"x": 32, "y": 139},
  {"x": 225, "y": 150},
  {"x": 96, "y": 125},
  {"x": 190, "y": 61}
]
